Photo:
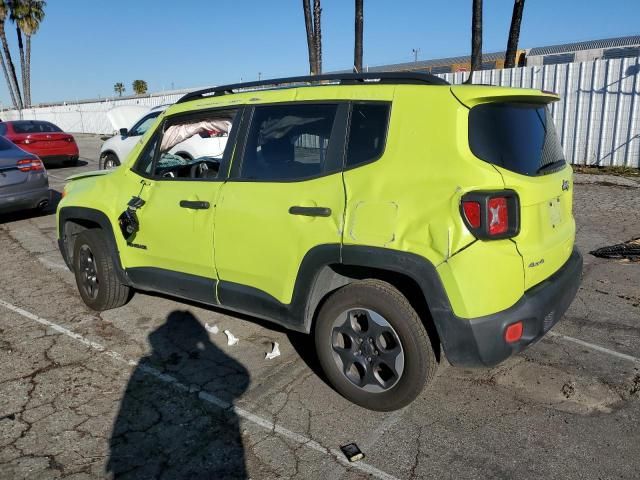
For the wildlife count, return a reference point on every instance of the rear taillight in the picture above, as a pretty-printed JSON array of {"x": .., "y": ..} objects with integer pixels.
[
  {"x": 70, "y": 139},
  {"x": 30, "y": 165},
  {"x": 491, "y": 215}
]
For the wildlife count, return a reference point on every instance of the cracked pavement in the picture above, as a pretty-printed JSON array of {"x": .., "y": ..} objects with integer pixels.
[{"x": 145, "y": 391}]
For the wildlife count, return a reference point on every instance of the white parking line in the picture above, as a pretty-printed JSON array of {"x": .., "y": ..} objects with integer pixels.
[
  {"x": 206, "y": 396},
  {"x": 593, "y": 346}
]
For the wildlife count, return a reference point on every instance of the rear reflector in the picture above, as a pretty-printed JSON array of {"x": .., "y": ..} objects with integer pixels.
[
  {"x": 30, "y": 165},
  {"x": 513, "y": 332}
]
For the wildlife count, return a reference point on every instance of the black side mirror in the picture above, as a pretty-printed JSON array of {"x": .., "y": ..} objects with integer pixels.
[{"x": 124, "y": 132}]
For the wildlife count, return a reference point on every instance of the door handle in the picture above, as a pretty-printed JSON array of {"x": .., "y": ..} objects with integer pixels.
[
  {"x": 194, "y": 204},
  {"x": 310, "y": 211}
]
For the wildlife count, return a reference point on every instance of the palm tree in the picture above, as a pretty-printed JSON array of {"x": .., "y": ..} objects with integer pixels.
[
  {"x": 514, "y": 34},
  {"x": 119, "y": 88},
  {"x": 357, "y": 49},
  {"x": 139, "y": 87},
  {"x": 28, "y": 14},
  {"x": 13, "y": 79},
  {"x": 476, "y": 39},
  {"x": 317, "y": 12},
  {"x": 311, "y": 42},
  {"x": 314, "y": 35}
]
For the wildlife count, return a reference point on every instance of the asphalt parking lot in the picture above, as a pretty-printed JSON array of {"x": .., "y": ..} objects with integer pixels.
[{"x": 148, "y": 391}]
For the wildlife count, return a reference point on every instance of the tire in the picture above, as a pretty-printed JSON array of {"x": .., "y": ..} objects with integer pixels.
[
  {"x": 72, "y": 161},
  {"x": 109, "y": 161},
  {"x": 96, "y": 279},
  {"x": 392, "y": 387}
]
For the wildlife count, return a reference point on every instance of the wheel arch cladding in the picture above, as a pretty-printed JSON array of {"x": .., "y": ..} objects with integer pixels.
[{"x": 73, "y": 220}]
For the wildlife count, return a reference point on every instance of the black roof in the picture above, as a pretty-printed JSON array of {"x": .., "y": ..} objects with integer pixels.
[{"x": 330, "y": 78}]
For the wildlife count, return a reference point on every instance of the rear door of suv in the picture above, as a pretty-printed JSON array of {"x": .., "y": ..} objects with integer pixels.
[{"x": 284, "y": 197}]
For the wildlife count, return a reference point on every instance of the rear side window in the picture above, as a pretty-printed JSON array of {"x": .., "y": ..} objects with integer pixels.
[
  {"x": 368, "y": 132},
  {"x": 30, "y": 126},
  {"x": 516, "y": 136},
  {"x": 289, "y": 142}
]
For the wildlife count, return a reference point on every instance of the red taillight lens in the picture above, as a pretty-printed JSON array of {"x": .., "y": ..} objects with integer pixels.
[
  {"x": 513, "y": 332},
  {"x": 472, "y": 213},
  {"x": 498, "y": 215},
  {"x": 30, "y": 165},
  {"x": 491, "y": 214}
]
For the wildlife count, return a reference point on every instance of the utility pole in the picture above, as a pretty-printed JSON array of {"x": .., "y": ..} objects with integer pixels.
[
  {"x": 259, "y": 76},
  {"x": 415, "y": 52}
]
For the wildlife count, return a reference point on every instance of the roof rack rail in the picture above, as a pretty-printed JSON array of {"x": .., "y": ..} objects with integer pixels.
[{"x": 398, "y": 78}]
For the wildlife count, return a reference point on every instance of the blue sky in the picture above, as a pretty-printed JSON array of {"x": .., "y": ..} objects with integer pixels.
[{"x": 84, "y": 47}]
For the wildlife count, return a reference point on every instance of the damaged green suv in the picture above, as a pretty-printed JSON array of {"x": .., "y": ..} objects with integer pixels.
[{"x": 393, "y": 216}]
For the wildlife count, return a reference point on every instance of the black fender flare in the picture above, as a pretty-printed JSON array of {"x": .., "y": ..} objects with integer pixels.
[{"x": 89, "y": 216}]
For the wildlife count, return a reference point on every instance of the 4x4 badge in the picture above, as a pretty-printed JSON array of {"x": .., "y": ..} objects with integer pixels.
[{"x": 565, "y": 185}]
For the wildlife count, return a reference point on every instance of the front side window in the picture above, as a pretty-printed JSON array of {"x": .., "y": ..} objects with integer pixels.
[
  {"x": 143, "y": 125},
  {"x": 288, "y": 142},
  {"x": 189, "y": 147}
]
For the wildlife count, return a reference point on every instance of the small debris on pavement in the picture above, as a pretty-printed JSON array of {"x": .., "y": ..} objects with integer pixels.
[
  {"x": 211, "y": 328},
  {"x": 629, "y": 250},
  {"x": 231, "y": 339},
  {"x": 275, "y": 352},
  {"x": 352, "y": 452}
]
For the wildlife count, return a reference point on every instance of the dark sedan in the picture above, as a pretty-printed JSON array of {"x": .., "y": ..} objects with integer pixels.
[{"x": 23, "y": 179}]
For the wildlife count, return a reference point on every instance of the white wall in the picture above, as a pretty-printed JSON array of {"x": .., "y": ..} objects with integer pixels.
[{"x": 598, "y": 116}]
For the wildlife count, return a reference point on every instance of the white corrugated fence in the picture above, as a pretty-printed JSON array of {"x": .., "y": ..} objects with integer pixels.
[{"x": 597, "y": 117}]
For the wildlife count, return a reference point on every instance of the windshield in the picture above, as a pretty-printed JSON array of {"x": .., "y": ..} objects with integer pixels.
[
  {"x": 516, "y": 136},
  {"x": 143, "y": 124}
]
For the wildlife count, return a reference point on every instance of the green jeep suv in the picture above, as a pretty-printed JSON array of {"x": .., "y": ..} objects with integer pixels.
[{"x": 393, "y": 216}]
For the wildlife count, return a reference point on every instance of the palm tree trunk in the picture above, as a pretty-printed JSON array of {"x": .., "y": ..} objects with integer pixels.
[
  {"x": 311, "y": 45},
  {"x": 476, "y": 39},
  {"x": 317, "y": 30},
  {"x": 12, "y": 68},
  {"x": 514, "y": 34},
  {"x": 27, "y": 91},
  {"x": 22, "y": 66},
  {"x": 9, "y": 86},
  {"x": 357, "y": 50}
]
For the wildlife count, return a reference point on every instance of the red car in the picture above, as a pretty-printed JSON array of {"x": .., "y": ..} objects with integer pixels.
[{"x": 43, "y": 139}]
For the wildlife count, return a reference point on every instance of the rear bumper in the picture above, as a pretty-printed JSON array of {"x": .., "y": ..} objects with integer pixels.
[
  {"x": 23, "y": 200},
  {"x": 480, "y": 341}
]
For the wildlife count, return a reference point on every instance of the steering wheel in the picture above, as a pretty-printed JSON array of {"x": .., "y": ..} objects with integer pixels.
[{"x": 198, "y": 170}]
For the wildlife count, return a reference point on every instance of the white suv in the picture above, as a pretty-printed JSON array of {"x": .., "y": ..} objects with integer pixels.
[{"x": 115, "y": 150}]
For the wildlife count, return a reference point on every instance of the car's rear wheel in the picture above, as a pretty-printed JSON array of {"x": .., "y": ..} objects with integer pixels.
[
  {"x": 373, "y": 346},
  {"x": 72, "y": 161},
  {"x": 109, "y": 161},
  {"x": 95, "y": 273}
]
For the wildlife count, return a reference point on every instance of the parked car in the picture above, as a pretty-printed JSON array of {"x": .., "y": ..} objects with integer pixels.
[
  {"x": 23, "y": 179},
  {"x": 389, "y": 215},
  {"x": 43, "y": 139},
  {"x": 116, "y": 149}
]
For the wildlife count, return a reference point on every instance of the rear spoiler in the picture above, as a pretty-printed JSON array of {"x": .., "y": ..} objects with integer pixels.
[{"x": 472, "y": 95}]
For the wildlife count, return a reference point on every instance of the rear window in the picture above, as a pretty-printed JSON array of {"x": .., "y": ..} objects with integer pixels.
[
  {"x": 34, "y": 127},
  {"x": 516, "y": 136}
]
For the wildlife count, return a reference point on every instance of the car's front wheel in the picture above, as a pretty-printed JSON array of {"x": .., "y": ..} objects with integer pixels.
[
  {"x": 109, "y": 161},
  {"x": 373, "y": 346},
  {"x": 95, "y": 273}
]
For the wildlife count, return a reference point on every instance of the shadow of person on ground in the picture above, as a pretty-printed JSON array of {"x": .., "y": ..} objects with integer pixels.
[{"x": 168, "y": 425}]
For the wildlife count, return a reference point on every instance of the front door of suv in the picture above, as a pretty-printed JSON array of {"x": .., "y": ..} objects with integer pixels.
[
  {"x": 173, "y": 249},
  {"x": 284, "y": 197}
]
